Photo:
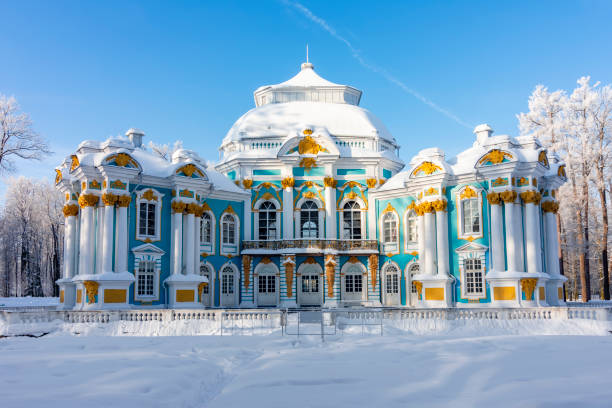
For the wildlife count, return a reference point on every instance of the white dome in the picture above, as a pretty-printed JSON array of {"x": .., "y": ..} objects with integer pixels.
[{"x": 283, "y": 119}]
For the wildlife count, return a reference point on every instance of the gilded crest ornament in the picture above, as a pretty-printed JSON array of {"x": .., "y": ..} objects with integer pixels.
[
  {"x": 495, "y": 156},
  {"x": 310, "y": 146},
  {"x": 371, "y": 183},
  {"x": 74, "y": 162},
  {"x": 468, "y": 192},
  {"x": 288, "y": 182},
  {"x": 149, "y": 195},
  {"x": 330, "y": 182},
  {"x": 427, "y": 168},
  {"x": 308, "y": 163}
]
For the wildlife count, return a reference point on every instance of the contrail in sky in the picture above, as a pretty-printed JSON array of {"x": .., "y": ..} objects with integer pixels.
[{"x": 357, "y": 55}]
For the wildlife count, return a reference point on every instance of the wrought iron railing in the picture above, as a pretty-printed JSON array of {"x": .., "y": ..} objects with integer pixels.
[{"x": 321, "y": 244}]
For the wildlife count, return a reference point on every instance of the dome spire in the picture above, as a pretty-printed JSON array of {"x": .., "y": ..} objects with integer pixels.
[{"x": 307, "y": 64}]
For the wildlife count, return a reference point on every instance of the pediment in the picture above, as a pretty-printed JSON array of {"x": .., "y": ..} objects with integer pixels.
[
  {"x": 472, "y": 247},
  {"x": 148, "y": 249}
]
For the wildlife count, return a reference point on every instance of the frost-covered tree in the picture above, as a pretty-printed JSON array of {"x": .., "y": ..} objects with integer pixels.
[
  {"x": 165, "y": 151},
  {"x": 17, "y": 137}
]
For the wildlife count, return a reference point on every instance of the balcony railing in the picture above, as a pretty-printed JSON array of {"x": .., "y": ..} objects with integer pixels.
[{"x": 341, "y": 245}]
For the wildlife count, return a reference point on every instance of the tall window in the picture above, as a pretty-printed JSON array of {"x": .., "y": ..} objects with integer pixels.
[
  {"x": 354, "y": 283},
  {"x": 146, "y": 278},
  {"x": 389, "y": 228},
  {"x": 227, "y": 281},
  {"x": 206, "y": 229},
  {"x": 266, "y": 283},
  {"x": 412, "y": 227},
  {"x": 471, "y": 216},
  {"x": 146, "y": 216},
  {"x": 267, "y": 221},
  {"x": 310, "y": 283},
  {"x": 309, "y": 220},
  {"x": 205, "y": 271},
  {"x": 351, "y": 221},
  {"x": 414, "y": 270},
  {"x": 228, "y": 223},
  {"x": 392, "y": 280},
  {"x": 474, "y": 282}
]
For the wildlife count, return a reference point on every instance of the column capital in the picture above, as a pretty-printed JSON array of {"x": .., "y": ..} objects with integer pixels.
[
  {"x": 288, "y": 182},
  {"x": 88, "y": 200},
  {"x": 124, "y": 200},
  {"x": 439, "y": 205},
  {"x": 550, "y": 206},
  {"x": 109, "y": 199},
  {"x": 494, "y": 198},
  {"x": 178, "y": 207},
  {"x": 426, "y": 207},
  {"x": 531, "y": 197},
  {"x": 332, "y": 182},
  {"x": 71, "y": 210},
  {"x": 193, "y": 208},
  {"x": 508, "y": 196}
]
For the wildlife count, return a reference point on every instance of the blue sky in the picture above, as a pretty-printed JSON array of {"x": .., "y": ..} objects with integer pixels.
[{"x": 187, "y": 70}]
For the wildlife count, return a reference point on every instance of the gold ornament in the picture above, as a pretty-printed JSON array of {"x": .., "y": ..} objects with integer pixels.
[
  {"x": 91, "y": 288},
  {"x": 373, "y": 261},
  {"x": 71, "y": 210},
  {"x": 494, "y": 198},
  {"x": 419, "y": 286},
  {"x": 561, "y": 171},
  {"x": 468, "y": 192},
  {"x": 192, "y": 208},
  {"x": 427, "y": 168},
  {"x": 508, "y": 196},
  {"x": 531, "y": 197},
  {"x": 122, "y": 159},
  {"x": 289, "y": 276},
  {"x": 309, "y": 146},
  {"x": 88, "y": 200},
  {"x": 528, "y": 286},
  {"x": 246, "y": 266},
  {"x": 495, "y": 156},
  {"x": 371, "y": 183},
  {"x": 439, "y": 205},
  {"x": 427, "y": 207},
  {"x": 74, "y": 162},
  {"x": 288, "y": 182},
  {"x": 431, "y": 191},
  {"x": 330, "y": 272},
  {"x": 149, "y": 195},
  {"x": 308, "y": 163},
  {"x": 247, "y": 183},
  {"x": 201, "y": 288},
  {"x": 330, "y": 182},
  {"x": 550, "y": 206},
  {"x": 543, "y": 159},
  {"x": 109, "y": 199},
  {"x": 124, "y": 201},
  {"x": 388, "y": 208},
  {"x": 58, "y": 176},
  {"x": 189, "y": 169},
  {"x": 178, "y": 207}
]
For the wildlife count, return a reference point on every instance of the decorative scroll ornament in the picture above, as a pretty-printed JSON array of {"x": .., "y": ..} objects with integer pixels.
[
  {"x": 542, "y": 159},
  {"x": 531, "y": 197},
  {"x": 109, "y": 199},
  {"x": 371, "y": 183},
  {"x": 508, "y": 196},
  {"x": 427, "y": 207},
  {"x": 419, "y": 286},
  {"x": 288, "y": 182},
  {"x": 330, "y": 272},
  {"x": 309, "y": 194},
  {"x": 88, "y": 200},
  {"x": 494, "y": 198},
  {"x": 427, "y": 168},
  {"x": 468, "y": 192},
  {"x": 246, "y": 267},
  {"x": 351, "y": 195},
  {"x": 439, "y": 205},
  {"x": 265, "y": 184},
  {"x": 309, "y": 146},
  {"x": 247, "y": 183},
  {"x": 124, "y": 201},
  {"x": 308, "y": 163},
  {"x": 58, "y": 176},
  {"x": 71, "y": 210},
  {"x": 495, "y": 156},
  {"x": 373, "y": 262},
  {"x": 74, "y": 162},
  {"x": 149, "y": 195},
  {"x": 91, "y": 288},
  {"x": 550, "y": 206},
  {"x": 388, "y": 208},
  {"x": 178, "y": 207},
  {"x": 330, "y": 182},
  {"x": 561, "y": 171},
  {"x": 289, "y": 267},
  {"x": 528, "y": 285},
  {"x": 189, "y": 170}
]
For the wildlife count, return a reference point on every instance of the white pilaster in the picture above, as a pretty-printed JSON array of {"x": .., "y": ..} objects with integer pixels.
[
  {"x": 247, "y": 219},
  {"x": 86, "y": 241},
  {"x": 430, "y": 243},
  {"x": 512, "y": 241},
  {"x": 552, "y": 245},
  {"x": 69, "y": 246},
  {"x": 107, "y": 238},
  {"x": 442, "y": 242},
  {"x": 532, "y": 238},
  {"x": 177, "y": 241},
  {"x": 497, "y": 238},
  {"x": 196, "y": 242},
  {"x": 188, "y": 243},
  {"x": 421, "y": 241},
  {"x": 288, "y": 213},
  {"x": 99, "y": 246},
  {"x": 330, "y": 213},
  {"x": 121, "y": 256}
]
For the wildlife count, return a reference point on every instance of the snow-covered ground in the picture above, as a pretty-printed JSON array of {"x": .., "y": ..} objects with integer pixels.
[
  {"x": 28, "y": 301},
  {"x": 426, "y": 364}
]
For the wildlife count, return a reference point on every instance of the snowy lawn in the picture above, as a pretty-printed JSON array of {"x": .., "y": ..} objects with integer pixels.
[
  {"x": 398, "y": 370},
  {"x": 28, "y": 301}
]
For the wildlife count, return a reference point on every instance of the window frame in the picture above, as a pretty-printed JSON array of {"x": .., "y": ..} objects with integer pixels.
[
  {"x": 229, "y": 248},
  {"x": 472, "y": 250},
  {"x": 411, "y": 245},
  {"x": 391, "y": 247},
  {"x": 268, "y": 211},
  {"x": 142, "y": 197},
  {"x": 313, "y": 210},
  {"x": 147, "y": 253},
  {"x": 461, "y": 231},
  {"x": 208, "y": 247},
  {"x": 355, "y": 215}
]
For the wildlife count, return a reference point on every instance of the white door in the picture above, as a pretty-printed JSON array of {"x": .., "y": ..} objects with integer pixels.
[
  {"x": 229, "y": 285},
  {"x": 266, "y": 289},
  {"x": 311, "y": 286},
  {"x": 391, "y": 287},
  {"x": 352, "y": 286}
]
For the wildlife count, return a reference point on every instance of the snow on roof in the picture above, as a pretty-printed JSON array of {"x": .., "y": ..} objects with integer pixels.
[
  {"x": 307, "y": 77},
  {"x": 280, "y": 119}
]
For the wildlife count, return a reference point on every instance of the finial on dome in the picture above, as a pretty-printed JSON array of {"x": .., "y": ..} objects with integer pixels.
[{"x": 307, "y": 64}]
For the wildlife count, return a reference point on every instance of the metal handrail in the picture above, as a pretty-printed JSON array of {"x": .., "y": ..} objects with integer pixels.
[{"x": 313, "y": 243}]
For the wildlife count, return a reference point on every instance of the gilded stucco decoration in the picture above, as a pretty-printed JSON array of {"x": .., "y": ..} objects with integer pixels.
[
  {"x": 178, "y": 206},
  {"x": 109, "y": 199},
  {"x": 373, "y": 263},
  {"x": 381, "y": 182},
  {"x": 508, "y": 196},
  {"x": 88, "y": 200},
  {"x": 388, "y": 208},
  {"x": 468, "y": 192},
  {"x": 289, "y": 277},
  {"x": 149, "y": 195},
  {"x": 247, "y": 183},
  {"x": 353, "y": 260},
  {"x": 309, "y": 194},
  {"x": 230, "y": 210},
  {"x": 330, "y": 274},
  {"x": 494, "y": 198},
  {"x": 439, "y": 205},
  {"x": 71, "y": 210},
  {"x": 499, "y": 182},
  {"x": 193, "y": 208},
  {"x": 288, "y": 182},
  {"x": 310, "y": 261},
  {"x": 189, "y": 170},
  {"x": 58, "y": 176},
  {"x": 308, "y": 163},
  {"x": 310, "y": 146},
  {"x": 543, "y": 159},
  {"x": 246, "y": 267},
  {"x": 371, "y": 183},
  {"x": 528, "y": 285},
  {"x": 431, "y": 191},
  {"x": 550, "y": 206},
  {"x": 531, "y": 197},
  {"x": 330, "y": 182},
  {"x": 124, "y": 200},
  {"x": 201, "y": 288},
  {"x": 418, "y": 285},
  {"x": 91, "y": 288},
  {"x": 74, "y": 162},
  {"x": 426, "y": 168},
  {"x": 561, "y": 171},
  {"x": 495, "y": 156}
]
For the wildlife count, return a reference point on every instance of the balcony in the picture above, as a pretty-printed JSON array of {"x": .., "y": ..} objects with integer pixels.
[{"x": 310, "y": 246}]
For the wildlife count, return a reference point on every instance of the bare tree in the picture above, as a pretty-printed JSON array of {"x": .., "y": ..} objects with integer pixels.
[{"x": 17, "y": 138}]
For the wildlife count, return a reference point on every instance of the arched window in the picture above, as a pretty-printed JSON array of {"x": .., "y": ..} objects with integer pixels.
[
  {"x": 228, "y": 225},
  {"x": 227, "y": 281},
  {"x": 267, "y": 221},
  {"x": 351, "y": 221},
  {"x": 148, "y": 215},
  {"x": 414, "y": 270},
  {"x": 412, "y": 227},
  {"x": 389, "y": 228},
  {"x": 309, "y": 220},
  {"x": 205, "y": 271},
  {"x": 470, "y": 209},
  {"x": 391, "y": 279},
  {"x": 206, "y": 229}
]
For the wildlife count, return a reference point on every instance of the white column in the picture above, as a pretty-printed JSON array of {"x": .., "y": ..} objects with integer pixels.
[
  {"x": 107, "y": 233},
  {"x": 121, "y": 256},
  {"x": 188, "y": 243},
  {"x": 430, "y": 242},
  {"x": 519, "y": 236},
  {"x": 99, "y": 246},
  {"x": 511, "y": 234},
  {"x": 552, "y": 245},
  {"x": 196, "y": 242},
  {"x": 86, "y": 241},
  {"x": 247, "y": 219},
  {"x": 288, "y": 213},
  {"x": 442, "y": 241},
  {"x": 421, "y": 241},
  {"x": 177, "y": 237},
  {"x": 70, "y": 244},
  {"x": 330, "y": 213},
  {"x": 533, "y": 251},
  {"x": 497, "y": 233}
]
